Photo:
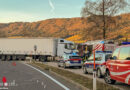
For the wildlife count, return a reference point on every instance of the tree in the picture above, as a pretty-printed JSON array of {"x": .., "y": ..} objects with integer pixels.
[{"x": 101, "y": 11}]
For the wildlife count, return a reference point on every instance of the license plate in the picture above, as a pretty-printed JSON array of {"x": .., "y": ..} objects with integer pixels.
[
  {"x": 75, "y": 61},
  {"x": 90, "y": 66}
]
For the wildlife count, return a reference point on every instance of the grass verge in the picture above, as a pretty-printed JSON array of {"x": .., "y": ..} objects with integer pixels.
[{"x": 84, "y": 81}]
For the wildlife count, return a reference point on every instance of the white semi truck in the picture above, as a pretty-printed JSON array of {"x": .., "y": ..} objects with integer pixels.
[{"x": 37, "y": 48}]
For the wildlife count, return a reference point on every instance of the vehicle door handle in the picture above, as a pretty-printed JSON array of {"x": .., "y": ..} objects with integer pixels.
[
  {"x": 117, "y": 67},
  {"x": 121, "y": 62},
  {"x": 111, "y": 67}
]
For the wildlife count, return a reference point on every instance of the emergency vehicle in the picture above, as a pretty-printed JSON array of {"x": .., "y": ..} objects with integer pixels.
[
  {"x": 118, "y": 66},
  {"x": 85, "y": 49},
  {"x": 103, "y": 51},
  {"x": 100, "y": 61},
  {"x": 70, "y": 60}
]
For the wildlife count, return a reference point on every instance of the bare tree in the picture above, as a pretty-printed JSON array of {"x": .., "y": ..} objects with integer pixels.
[{"x": 101, "y": 11}]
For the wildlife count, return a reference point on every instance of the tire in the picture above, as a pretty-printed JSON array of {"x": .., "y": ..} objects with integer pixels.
[
  {"x": 64, "y": 65},
  {"x": 8, "y": 58},
  {"x": 14, "y": 57},
  {"x": 42, "y": 59},
  {"x": 99, "y": 75},
  {"x": 85, "y": 70},
  {"x": 108, "y": 79},
  {"x": 58, "y": 65},
  {"x": 80, "y": 67}
]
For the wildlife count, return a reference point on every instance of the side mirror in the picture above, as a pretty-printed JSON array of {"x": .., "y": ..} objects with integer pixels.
[
  {"x": 111, "y": 57},
  {"x": 114, "y": 57},
  {"x": 128, "y": 58}
]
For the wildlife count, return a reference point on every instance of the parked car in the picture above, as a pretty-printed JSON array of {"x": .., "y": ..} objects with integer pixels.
[
  {"x": 118, "y": 67},
  {"x": 70, "y": 60},
  {"x": 100, "y": 61}
]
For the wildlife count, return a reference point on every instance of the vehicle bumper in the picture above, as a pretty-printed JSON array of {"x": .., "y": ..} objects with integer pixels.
[
  {"x": 103, "y": 70},
  {"x": 68, "y": 64}
]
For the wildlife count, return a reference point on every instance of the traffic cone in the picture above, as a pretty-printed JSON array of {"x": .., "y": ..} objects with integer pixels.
[{"x": 4, "y": 81}]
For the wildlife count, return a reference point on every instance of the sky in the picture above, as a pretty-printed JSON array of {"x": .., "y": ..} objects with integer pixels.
[{"x": 36, "y": 10}]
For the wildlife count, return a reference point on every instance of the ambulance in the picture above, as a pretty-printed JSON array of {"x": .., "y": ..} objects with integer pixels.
[
  {"x": 101, "y": 56},
  {"x": 118, "y": 66},
  {"x": 100, "y": 61},
  {"x": 70, "y": 60}
]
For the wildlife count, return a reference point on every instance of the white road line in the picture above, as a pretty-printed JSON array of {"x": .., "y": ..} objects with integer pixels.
[{"x": 57, "y": 82}]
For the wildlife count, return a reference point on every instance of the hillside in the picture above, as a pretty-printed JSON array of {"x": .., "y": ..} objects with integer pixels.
[{"x": 67, "y": 27}]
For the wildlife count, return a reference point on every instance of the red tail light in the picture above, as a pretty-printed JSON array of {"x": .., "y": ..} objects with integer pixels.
[
  {"x": 104, "y": 63},
  {"x": 75, "y": 59}
]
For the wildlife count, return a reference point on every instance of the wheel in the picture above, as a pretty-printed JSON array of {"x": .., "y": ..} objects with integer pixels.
[
  {"x": 84, "y": 70},
  {"x": 14, "y": 57},
  {"x": 108, "y": 79},
  {"x": 99, "y": 75},
  {"x": 8, "y": 58},
  {"x": 64, "y": 65},
  {"x": 58, "y": 65},
  {"x": 80, "y": 67},
  {"x": 42, "y": 59}
]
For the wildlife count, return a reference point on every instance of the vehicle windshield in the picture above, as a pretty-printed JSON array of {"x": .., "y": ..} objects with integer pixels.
[
  {"x": 70, "y": 46},
  {"x": 75, "y": 57},
  {"x": 98, "y": 57},
  {"x": 107, "y": 57}
]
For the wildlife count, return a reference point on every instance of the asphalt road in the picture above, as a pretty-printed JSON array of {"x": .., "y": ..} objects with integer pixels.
[
  {"x": 22, "y": 77},
  {"x": 119, "y": 85}
]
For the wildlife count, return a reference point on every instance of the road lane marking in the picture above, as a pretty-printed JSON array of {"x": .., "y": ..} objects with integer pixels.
[{"x": 54, "y": 80}]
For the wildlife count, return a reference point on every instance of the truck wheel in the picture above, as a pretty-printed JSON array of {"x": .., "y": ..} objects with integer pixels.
[
  {"x": 3, "y": 58},
  {"x": 8, "y": 58},
  {"x": 99, "y": 75},
  {"x": 84, "y": 70},
  {"x": 42, "y": 59},
  {"x": 108, "y": 79},
  {"x": 14, "y": 57}
]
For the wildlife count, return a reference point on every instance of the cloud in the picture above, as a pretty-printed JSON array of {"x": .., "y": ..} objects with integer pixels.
[{"x": 52, "y": 6}]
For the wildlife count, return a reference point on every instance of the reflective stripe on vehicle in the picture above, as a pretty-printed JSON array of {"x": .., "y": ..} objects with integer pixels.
[
  {"x": 127, "y": 79},
  {"x": 119, "y": 73}
]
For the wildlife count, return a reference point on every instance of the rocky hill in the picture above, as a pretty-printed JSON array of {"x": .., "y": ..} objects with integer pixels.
[{"x": 68, "y": 27}]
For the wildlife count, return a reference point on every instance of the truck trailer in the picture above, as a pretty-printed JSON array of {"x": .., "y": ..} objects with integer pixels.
[{"x": 37, "y": 48}]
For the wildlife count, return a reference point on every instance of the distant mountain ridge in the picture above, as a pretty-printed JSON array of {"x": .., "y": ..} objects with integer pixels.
[{"x": 66, "y": 28}]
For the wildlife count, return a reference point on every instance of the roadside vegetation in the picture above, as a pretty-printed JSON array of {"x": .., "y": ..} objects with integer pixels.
[{"x": 84, "y": 81}]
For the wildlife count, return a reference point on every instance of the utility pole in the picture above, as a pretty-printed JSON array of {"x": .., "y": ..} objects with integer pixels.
[
  {"x": 94, "y": 73},
  {"x": 35, "y": 49},
  {"x": 104, "y": 23}
]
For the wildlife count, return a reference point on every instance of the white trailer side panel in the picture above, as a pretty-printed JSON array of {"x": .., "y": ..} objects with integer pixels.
[{"x": 45, "y": 46}]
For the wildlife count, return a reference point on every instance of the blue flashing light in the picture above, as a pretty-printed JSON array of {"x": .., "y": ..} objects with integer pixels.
[
  {"x": 74, "y": 53},
  {"x": 103, "y": 51},
  {"x": 126, "y": 43}
]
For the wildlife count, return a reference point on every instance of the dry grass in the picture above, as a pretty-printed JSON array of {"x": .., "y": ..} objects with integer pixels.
[{"x": 84, "y": 81}]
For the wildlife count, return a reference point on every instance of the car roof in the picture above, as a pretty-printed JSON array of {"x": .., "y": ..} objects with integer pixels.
[
  {"x": 71, "y": 55},
  {"x": 123, "y": 46}
]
